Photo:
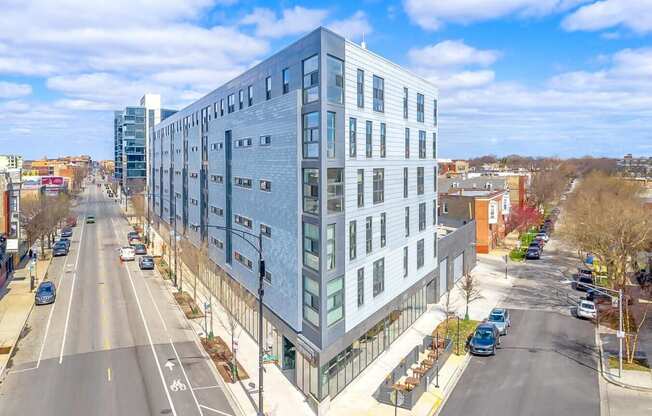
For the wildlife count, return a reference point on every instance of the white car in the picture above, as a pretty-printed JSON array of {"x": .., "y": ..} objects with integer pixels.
[
  {"x": 586, "y": 309},
  {"x": 543, "y": 236},
  {"x": 127, "y": 254}
]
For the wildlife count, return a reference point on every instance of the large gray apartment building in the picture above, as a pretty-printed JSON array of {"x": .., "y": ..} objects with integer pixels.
[{"x": 329, "y": 151}]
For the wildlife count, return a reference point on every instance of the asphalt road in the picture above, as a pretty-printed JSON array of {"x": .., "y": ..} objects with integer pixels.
[
  {"x": 114, "y": 342},
  {"x": 547, "y": 365}
]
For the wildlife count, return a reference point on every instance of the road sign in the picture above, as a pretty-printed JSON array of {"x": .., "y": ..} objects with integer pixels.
[
  {"x": 169, "y": 365},
  {"x": 620, "y": 334},
  {"x": 178, "y": 385},
  {"x": 614, "y": 302}
]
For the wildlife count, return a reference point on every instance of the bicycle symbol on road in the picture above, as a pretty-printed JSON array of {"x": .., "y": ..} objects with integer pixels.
[{"x": 177, "y": 385}]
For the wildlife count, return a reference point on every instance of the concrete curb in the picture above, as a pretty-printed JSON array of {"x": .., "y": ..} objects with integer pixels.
[
  {"x": 450, "y": 386},
  {"x": 608, "y": 378},
  {"x": 3, "y": 373}
]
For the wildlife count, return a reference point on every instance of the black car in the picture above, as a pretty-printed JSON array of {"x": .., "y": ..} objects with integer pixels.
[
  {"x": 596, "y": 296},
  {"x": 66, "y": 232},
  {"x": 45, "y": 293},
  {"x": 59, "y": 249},
  {"x": 140, "y": 248},
  {"x": 533, "y": 253},
  {"x": 146, "y": 263},
  {"x": 581, "y": 283},
  {"x": 485, "y": 340}
]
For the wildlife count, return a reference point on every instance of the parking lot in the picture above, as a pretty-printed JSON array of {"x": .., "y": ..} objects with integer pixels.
[{"x": 547, "y": 365}]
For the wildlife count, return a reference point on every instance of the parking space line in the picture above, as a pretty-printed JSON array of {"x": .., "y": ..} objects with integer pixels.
[
  {"x": 207, "y": 387},
  {"x": 219, "y": 412},
  {"x": 183, "y": 371}
]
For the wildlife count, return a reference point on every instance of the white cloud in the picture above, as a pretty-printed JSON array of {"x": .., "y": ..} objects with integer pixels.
[
  {"x": 635, "y": 15},
  {"x": 354, "y": 27},
  {"x": 432, "y": 14},
  {"x": 12, "y": 90},
  {"x": 452, "y": 53},
  {"x": 292, "y": 21}
]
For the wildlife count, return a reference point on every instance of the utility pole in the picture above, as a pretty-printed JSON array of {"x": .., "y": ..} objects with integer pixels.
[
  {"x": 261, "y": 292},
  {"x": 621, "y": 335},
  {"x": 175, "y": 247}
]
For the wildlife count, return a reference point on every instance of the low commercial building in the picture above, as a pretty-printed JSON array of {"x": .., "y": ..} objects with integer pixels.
[
  {"x": 10, "y": 227},
  {"x": 328, "y": 151},
  {"x": 517, "y": 184},
  {"x": 489, "y": 208},
  {"x": 457, "y": 254}
]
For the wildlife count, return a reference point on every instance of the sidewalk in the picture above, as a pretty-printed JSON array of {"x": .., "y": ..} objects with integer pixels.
[
  {"x": 16, "y": 303},
  {"x": 630, "y": 379}
]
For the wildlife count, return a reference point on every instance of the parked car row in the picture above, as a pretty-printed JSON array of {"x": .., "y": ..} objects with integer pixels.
[
  {"x": 136, "y": 248},
  {"x": 486, "y": 337},
  {"x": 535, "y": 249}
]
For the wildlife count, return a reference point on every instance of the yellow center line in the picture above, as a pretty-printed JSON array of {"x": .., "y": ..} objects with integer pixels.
[{"x": 108, "y": 373}]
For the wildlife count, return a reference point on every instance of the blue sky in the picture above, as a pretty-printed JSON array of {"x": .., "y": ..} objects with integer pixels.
[{"x": 536, "y": 77}]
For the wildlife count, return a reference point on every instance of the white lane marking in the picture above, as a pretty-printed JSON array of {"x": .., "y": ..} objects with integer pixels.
[
  {"x": 149, "y": 335},
  {"x": 151, "y": 297},
  {"x": 206, "y": 388},
  {"x": 24, "y": 370},
  {"x": 176, "y": 354},
  {"x": 219, "y": 412},
  {"x": 72, "y": 292}
]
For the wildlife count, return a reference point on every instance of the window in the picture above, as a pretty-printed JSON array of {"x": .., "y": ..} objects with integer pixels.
[
  {"x": 242, "y": 182},
  {"x": 422, "y": 216},
  {"x": 444, "y": 208},
  {"x": 361, "y": 286},
  {"x": 240, "y": 99},
  {"x": 352, "y": 136},
  {"x": 379, "y": 185},
  {"x": 311, "y": 135},
  {"x": 266, "y": 230},
  {"x": 218, "y": 243},
  {"x": 268, "y": 88},
  {"x": 407, "y": 221},
  {"x": 330, "y": 135},
  {"x": 420, "y": 253},
  {"x": 405, "y": 261},
  {"x": 217, "y": 178},
  {"x": 311, "y": 300},
  {"x": 434, "y": 149},
  {"x": 422, "y": 144},
  {"x": 420, "y": 187},
  {"x": 360, "y": 188},
  {"x": 250, "y": 95},
  {"x": 222, "y": 107},
  {"x": 383, "y": 229},
  {"x": 335, "y": 190},
  {"x": 405, "y": 102},
  {"x": 311, "y": 191},
  {"x": 217, "y": 146},
  {"x": 383, "y": 140},
  {"x": 420, "y": 108},
  {"x": 265, "y": 140},
  {"x": 217, "y": 211},
  {"x": 311, "y": 79},
  {"x": 369, "y": 234},
  {"x": 231, "y": 103},
  {"x": 379, "y": 94},
  {"x": 369, "y": 129},
  {"x": 352, "y": 240},
  {"x": 311, "y": 245},
  {"x": 265, "y": 185},
  {"x": 242, "y": 142},
  {"x": 243, "y": 221},
  {"x": 360, "y": 88},
  {"x": 330, "y": 246},
  {"x": 243, "y": 260},
  {"x": 334, "y": 80},
  {"x": 434, "y": 112},
  {"x": 407, "y": 143},
  {"x": 268, "y": 277},
  {"x": 334, "y": 300},
  {"x": 379, "y": 276},
  {"x": 405, "y": 182},
  {"x": 286, "y": 80}
]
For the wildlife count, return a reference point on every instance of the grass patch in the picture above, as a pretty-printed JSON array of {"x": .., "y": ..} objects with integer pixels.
[
  {"x": 636, "y": 365},
  {"x": 466, "y": 329},
  {"x": 517, "y": 254}
]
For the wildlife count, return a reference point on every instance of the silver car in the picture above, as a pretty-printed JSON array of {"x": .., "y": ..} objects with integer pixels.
[{"x": 501, "y": 320}]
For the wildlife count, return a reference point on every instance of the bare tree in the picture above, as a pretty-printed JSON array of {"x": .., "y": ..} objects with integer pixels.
[
  {"x": 546, "y": 186},
  {"x": 233, "y": 329},
  {"x": 468, "y": 287},
  {"x": 138, "y": 205},
  {"x": 32, "y": 213},
  {"x": 607, "y": 217},
  {"x": 449, "y": 310}
]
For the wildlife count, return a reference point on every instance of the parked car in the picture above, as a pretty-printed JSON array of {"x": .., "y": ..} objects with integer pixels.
[
  {"x": 582, "y": 282},
  {"x": 66, "y": 232},
  {"x": 59, "y": 249},
  {"x": 501, "y": 320},
  {"x": 543, "y": 236},
  {"x": 45, "y": 293},
  {"x": 140, "y": 248},
  {"x": 127, "y": 254},
  {"x": 533, "y": 253},
  {"x": 90, "y": 219},
  {"x": 485, "y": 340},
  {"x": 596, "y": 296},
  {"x": 66, "y": 241},
  {"x": 586, "y": 309},
  {"x": 71, "y": 221},
  {"x": 146, "y": 263}
]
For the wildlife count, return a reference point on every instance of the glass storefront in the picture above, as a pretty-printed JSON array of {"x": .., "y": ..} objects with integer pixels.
[{"x": 348, "y": 364}]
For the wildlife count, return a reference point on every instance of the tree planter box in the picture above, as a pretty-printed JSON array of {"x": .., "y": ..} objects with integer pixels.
[
  {"x": 188, "y": 305},
  {"x": 221, "y": 355}
]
